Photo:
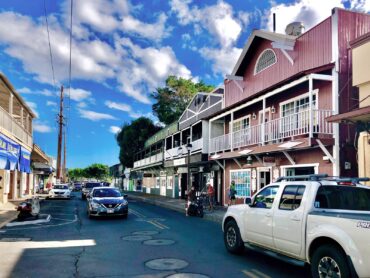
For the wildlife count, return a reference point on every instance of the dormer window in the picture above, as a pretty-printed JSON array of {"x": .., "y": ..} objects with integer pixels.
[{"x": 266, "y": 59}]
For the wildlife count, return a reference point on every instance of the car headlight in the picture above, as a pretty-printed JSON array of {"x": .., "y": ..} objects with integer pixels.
[
  {"x": 124, "y": 203},
  {"x": 95, "y": 205}
]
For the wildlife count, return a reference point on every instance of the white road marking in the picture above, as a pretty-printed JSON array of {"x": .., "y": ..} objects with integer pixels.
[{"x": 22, "y": 223}]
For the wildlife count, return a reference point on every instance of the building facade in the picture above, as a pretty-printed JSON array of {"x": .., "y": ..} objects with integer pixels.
[
  {"x": 16, "y": 143},
  {"x": 277, "y": 99}
]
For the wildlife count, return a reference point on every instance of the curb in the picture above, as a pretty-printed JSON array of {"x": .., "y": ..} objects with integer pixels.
[{"x": 210, "y": 216}]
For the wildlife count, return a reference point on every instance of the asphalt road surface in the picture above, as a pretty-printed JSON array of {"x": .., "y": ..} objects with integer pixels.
[{"x": 152, "y": 242}]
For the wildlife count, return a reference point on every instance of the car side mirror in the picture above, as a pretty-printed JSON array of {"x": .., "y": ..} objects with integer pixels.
[
  {"x": 248, "y": 201},
  {"x": 125, "y": 196}
]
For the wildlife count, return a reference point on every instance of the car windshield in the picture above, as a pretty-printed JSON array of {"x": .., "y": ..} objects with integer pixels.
[
  {"x": 106, "y": 192},
  {"x": 60, "y": 186},
  {"x": 92, "y": 184}
]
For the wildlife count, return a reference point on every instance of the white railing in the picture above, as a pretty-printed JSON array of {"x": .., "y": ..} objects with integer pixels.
[
  {"x": 219, "y": 143},
  {"x": 10, "y": 124},
  {"x": 276, "y": 130},
  {"x": 197, "y": 145},
  {"x": 149, "y": 160},
  {"x": 169, "y": 154}
]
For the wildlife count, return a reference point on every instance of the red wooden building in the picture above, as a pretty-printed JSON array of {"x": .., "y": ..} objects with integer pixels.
[{"x": 277, "y": 99}]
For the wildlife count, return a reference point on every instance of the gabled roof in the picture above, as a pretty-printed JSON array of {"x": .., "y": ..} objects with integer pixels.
[
  {"x": 218, "y": 91},
  {"x": 278, "y": 40}
]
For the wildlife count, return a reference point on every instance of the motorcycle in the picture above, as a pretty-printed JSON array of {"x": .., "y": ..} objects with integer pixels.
[
  {"x": 29, "y": 209},
  {"x": 195, "y": 208}
]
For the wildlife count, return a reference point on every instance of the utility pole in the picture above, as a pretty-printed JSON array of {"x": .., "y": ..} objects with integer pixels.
[
  {"x": 64, "y": 157},
  {"x": 60, "y": 135}
]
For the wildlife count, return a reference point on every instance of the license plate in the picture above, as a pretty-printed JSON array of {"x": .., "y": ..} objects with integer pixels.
[{"x": 110, "y": 210}]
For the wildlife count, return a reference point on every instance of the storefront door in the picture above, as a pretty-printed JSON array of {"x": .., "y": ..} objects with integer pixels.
[
  {"x": 163, "y": 186},
  {"x": 263, "y": 177}
]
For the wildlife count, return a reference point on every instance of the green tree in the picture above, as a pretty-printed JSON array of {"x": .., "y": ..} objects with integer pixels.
[
  {"x": 132, "y": 137},
  {"x": 172, "y": 100},
  {"x": 97, "y": 171}
]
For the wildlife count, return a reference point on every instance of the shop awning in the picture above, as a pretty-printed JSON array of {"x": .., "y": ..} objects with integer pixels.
[
  {"x": 358, "y": 115},
  {"x": 42, "y": 167},
  {"x": 25, "y": 161},
  {"x": 10, "y": 151}
]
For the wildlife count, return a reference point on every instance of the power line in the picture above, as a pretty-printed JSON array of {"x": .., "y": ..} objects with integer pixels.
[{"x": 50, "y": 52}]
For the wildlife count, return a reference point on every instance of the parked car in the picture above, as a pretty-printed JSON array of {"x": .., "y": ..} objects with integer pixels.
[
  {"x": 60, "y": 191},
  {"x": 77, "y": 186},
  {"x": 86, "y": 189},
  {"x": 323, "y": 222},
  {"x": 106, "y": 201}
]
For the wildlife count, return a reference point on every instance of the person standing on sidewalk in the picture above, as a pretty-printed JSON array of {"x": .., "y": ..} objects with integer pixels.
[
  {"x": 232, "y": 193},
  {"x": 211, "y": 196}
]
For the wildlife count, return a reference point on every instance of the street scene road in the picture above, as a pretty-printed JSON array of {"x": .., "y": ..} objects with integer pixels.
[{"x": 151, "y": 242}]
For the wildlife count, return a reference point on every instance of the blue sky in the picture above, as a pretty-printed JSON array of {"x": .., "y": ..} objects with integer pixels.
[{"x": 121, "y": 51}]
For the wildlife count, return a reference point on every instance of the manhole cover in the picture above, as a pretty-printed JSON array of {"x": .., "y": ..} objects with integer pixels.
[
  {"x": 166, "y": 264},
  {"x": 136, "y": 238},
  {"x": 158, "y": 242},
  {"x": 14, "y": 239},
  {"x": 187, "y": 275},
  {"x": 145, "y": 233}
]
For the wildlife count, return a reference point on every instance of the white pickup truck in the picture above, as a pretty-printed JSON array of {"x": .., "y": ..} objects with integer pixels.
[{"x": 321, "y": 221}]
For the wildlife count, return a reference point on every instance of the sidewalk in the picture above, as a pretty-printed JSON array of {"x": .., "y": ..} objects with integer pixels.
[
  {"x": 174, "y": 204},
  {"x": 8, "y": 213}
]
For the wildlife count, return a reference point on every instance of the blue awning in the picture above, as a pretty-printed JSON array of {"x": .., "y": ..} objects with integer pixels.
[
  {"x": 10, "y": 151},
  {"x": 25, "y": 161}
]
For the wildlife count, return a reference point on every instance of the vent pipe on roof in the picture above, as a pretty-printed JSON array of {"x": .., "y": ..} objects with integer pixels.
[{"x": 274, "y": 22}]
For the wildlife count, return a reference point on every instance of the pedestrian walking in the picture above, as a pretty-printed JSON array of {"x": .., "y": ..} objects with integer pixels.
[
  {"x": 232, "y": 194},
  {"x": 211, "y": 196},
  {"x": 191, "y": 198}
]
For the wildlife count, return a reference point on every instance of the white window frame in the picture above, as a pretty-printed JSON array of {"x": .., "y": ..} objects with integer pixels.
[
  {"x": 250, "y": 182},
  {"x": 258, "y": 59},
  {"x": 285, "y": 167},
  {"x": 294, "y": 100}
]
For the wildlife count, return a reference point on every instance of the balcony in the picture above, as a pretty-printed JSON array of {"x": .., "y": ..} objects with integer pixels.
[
  {"x": 275, "y": 131},
  {"x": 149, "y": 160},
  {"x": 10, "y": 124},
  {"x": 196, "y": 145}
]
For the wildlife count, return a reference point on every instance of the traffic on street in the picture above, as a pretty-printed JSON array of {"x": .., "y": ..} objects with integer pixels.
[{"x": 151, "y": 242}]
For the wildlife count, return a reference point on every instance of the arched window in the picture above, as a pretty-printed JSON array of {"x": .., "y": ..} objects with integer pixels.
[{"x": 266, "y": 59}]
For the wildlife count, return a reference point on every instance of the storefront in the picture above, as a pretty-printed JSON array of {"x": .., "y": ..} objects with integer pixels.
[{"x": 15, "y": 170}]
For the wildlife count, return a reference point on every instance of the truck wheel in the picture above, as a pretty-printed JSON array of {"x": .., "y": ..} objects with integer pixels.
[
  {"x": 232, "y": 238},
  {"x": 329, "y": 261}
]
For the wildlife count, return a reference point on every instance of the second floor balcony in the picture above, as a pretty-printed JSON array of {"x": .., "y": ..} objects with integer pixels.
[
  {"x": 153, "y": 159},
  {"x": 275, "y": 131}
]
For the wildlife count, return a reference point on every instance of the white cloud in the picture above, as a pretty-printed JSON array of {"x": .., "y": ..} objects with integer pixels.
[
  {"x": 41, "y": 127},
  {"x": 79, "y": 94},
  {"x": 51, "y": 103},
  {"x": 114, "y": 129},
  {"x": 219, "y": 20},
  {"x": 82, "y": 104},
  {"x": 360, "y": 5},
  {"x": 223, "y": 59},
  {"x": 132, "y": 69},
  {"x": 95, "y": 116},
  {"x": 45, "y": 92},
  {"x": 310, "y": 12},
  {"x": 118, "y": 106},
  {"x": 147, "y": 68}
]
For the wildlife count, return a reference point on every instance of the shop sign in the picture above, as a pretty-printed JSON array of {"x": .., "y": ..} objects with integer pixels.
[
  {"x": 182, "y": 170},
  {"x": 180, "y": 161},
  {"x": 269, "y": 161}
]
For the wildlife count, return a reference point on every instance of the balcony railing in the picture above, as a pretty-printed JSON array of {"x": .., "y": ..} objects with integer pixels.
[
  {"x": 276, "y": 130},
  {"x": 149, "y": 160},
  {"x": 197, "y": 145},
  {"x": 10, "y": 124}
]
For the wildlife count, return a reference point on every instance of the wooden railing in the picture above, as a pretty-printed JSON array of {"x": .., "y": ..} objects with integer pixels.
[
  {"x": 275, "y": 131},
  {"x": 10, "y": 124}
]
